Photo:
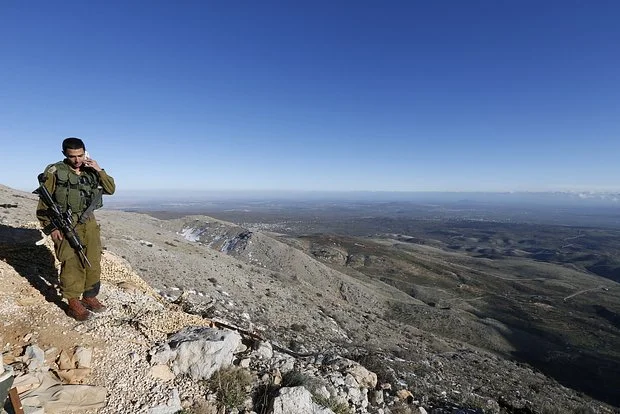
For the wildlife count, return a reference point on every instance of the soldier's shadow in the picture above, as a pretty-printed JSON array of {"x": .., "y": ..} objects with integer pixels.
[{"x": 35, "y": 263}]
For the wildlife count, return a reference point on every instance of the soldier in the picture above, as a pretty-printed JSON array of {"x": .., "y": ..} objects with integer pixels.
[{"x": 77, "y": 183}]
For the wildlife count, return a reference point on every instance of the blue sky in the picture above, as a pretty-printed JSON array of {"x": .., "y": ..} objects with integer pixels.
[{"x": 296, "y": 95}]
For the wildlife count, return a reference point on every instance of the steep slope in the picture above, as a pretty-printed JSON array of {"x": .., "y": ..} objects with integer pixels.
[
  {"x": 279, "y": 293},
  {"x": 558, "y": 318}
]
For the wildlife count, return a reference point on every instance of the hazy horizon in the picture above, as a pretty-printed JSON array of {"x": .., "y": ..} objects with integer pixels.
[{"x": 546, "y": 208}]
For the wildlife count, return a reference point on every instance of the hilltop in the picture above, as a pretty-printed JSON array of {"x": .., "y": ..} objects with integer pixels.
[{"x": 317, "y": 315}]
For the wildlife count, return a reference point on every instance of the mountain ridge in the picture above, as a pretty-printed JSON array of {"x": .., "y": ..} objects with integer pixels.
[{"x": 296, "y": 302}]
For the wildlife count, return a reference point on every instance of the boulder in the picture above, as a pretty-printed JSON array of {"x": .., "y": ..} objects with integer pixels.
[
  {"x": 364, "y": 377},
  {"x": 297, "y": 400},
  {"x": 197, "y": 351}
]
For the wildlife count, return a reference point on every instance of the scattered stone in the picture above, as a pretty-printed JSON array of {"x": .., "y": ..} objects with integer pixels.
[
  {"x": 171, "y": 406},
  {"x": 265, "y": 350},
  {"x": 405, "y": 395},
  {"x": 162, "y": 372},
  {"x": 34, "y": 358}
]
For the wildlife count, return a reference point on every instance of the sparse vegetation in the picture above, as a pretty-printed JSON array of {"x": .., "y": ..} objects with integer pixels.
[
  {"x": 294, "y": 379},
  {"x": 298, "y": 327},
  {"x": 263, "y": 396},
  {"x": 231, "y": 386},
  {"x": 338, "y": 407}
]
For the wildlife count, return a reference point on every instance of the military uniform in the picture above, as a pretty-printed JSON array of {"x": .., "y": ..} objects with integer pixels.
[{"x": 77, "y": 191}]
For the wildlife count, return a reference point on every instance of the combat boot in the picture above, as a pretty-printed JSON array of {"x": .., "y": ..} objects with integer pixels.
[
  {"x": 93, "y": 304},
  {"x": 77, "y": 311}
]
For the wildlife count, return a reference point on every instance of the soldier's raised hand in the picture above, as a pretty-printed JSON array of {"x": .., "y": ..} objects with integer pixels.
[{"x": 90, "y": 163}]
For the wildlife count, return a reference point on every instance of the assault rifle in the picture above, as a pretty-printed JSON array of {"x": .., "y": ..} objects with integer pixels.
[{"x": 62, "y": 221}]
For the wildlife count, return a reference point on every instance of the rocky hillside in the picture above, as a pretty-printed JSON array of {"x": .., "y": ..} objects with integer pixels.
[{"x": 207, "y": 317}]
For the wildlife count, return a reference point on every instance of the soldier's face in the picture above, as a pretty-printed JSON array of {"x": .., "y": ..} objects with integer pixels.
[{"x": 75, "y": 157}]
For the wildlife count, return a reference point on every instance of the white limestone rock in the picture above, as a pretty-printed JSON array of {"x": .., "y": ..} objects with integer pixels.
[
  {"x": 198, "y": 351},
  {"x": 297, "y": 400}
]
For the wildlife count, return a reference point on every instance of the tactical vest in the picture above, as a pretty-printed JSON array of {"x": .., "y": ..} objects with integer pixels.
[{"x": 75, "y": 191}]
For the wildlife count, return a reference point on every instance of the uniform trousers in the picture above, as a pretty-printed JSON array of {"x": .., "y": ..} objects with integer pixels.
[{"x": 76, "y": 277}]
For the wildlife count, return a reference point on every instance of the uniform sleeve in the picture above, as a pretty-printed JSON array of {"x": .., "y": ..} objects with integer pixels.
[
  {"x": 107, "y": 182},
  {"x": 42, "y": 208}
]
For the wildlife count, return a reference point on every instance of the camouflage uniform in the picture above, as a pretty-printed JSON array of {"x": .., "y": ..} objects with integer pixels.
[{"x": 76, "y": 191}]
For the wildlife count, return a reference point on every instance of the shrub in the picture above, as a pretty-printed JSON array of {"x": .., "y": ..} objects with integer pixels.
[
  {"x": 294, "y": 379},
  {"x": 338, "y": 407},
  {"x": 230, "y": 385}
]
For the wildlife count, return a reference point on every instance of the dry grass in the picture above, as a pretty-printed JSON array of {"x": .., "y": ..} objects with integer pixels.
[{"x": 231, "y": 386}]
